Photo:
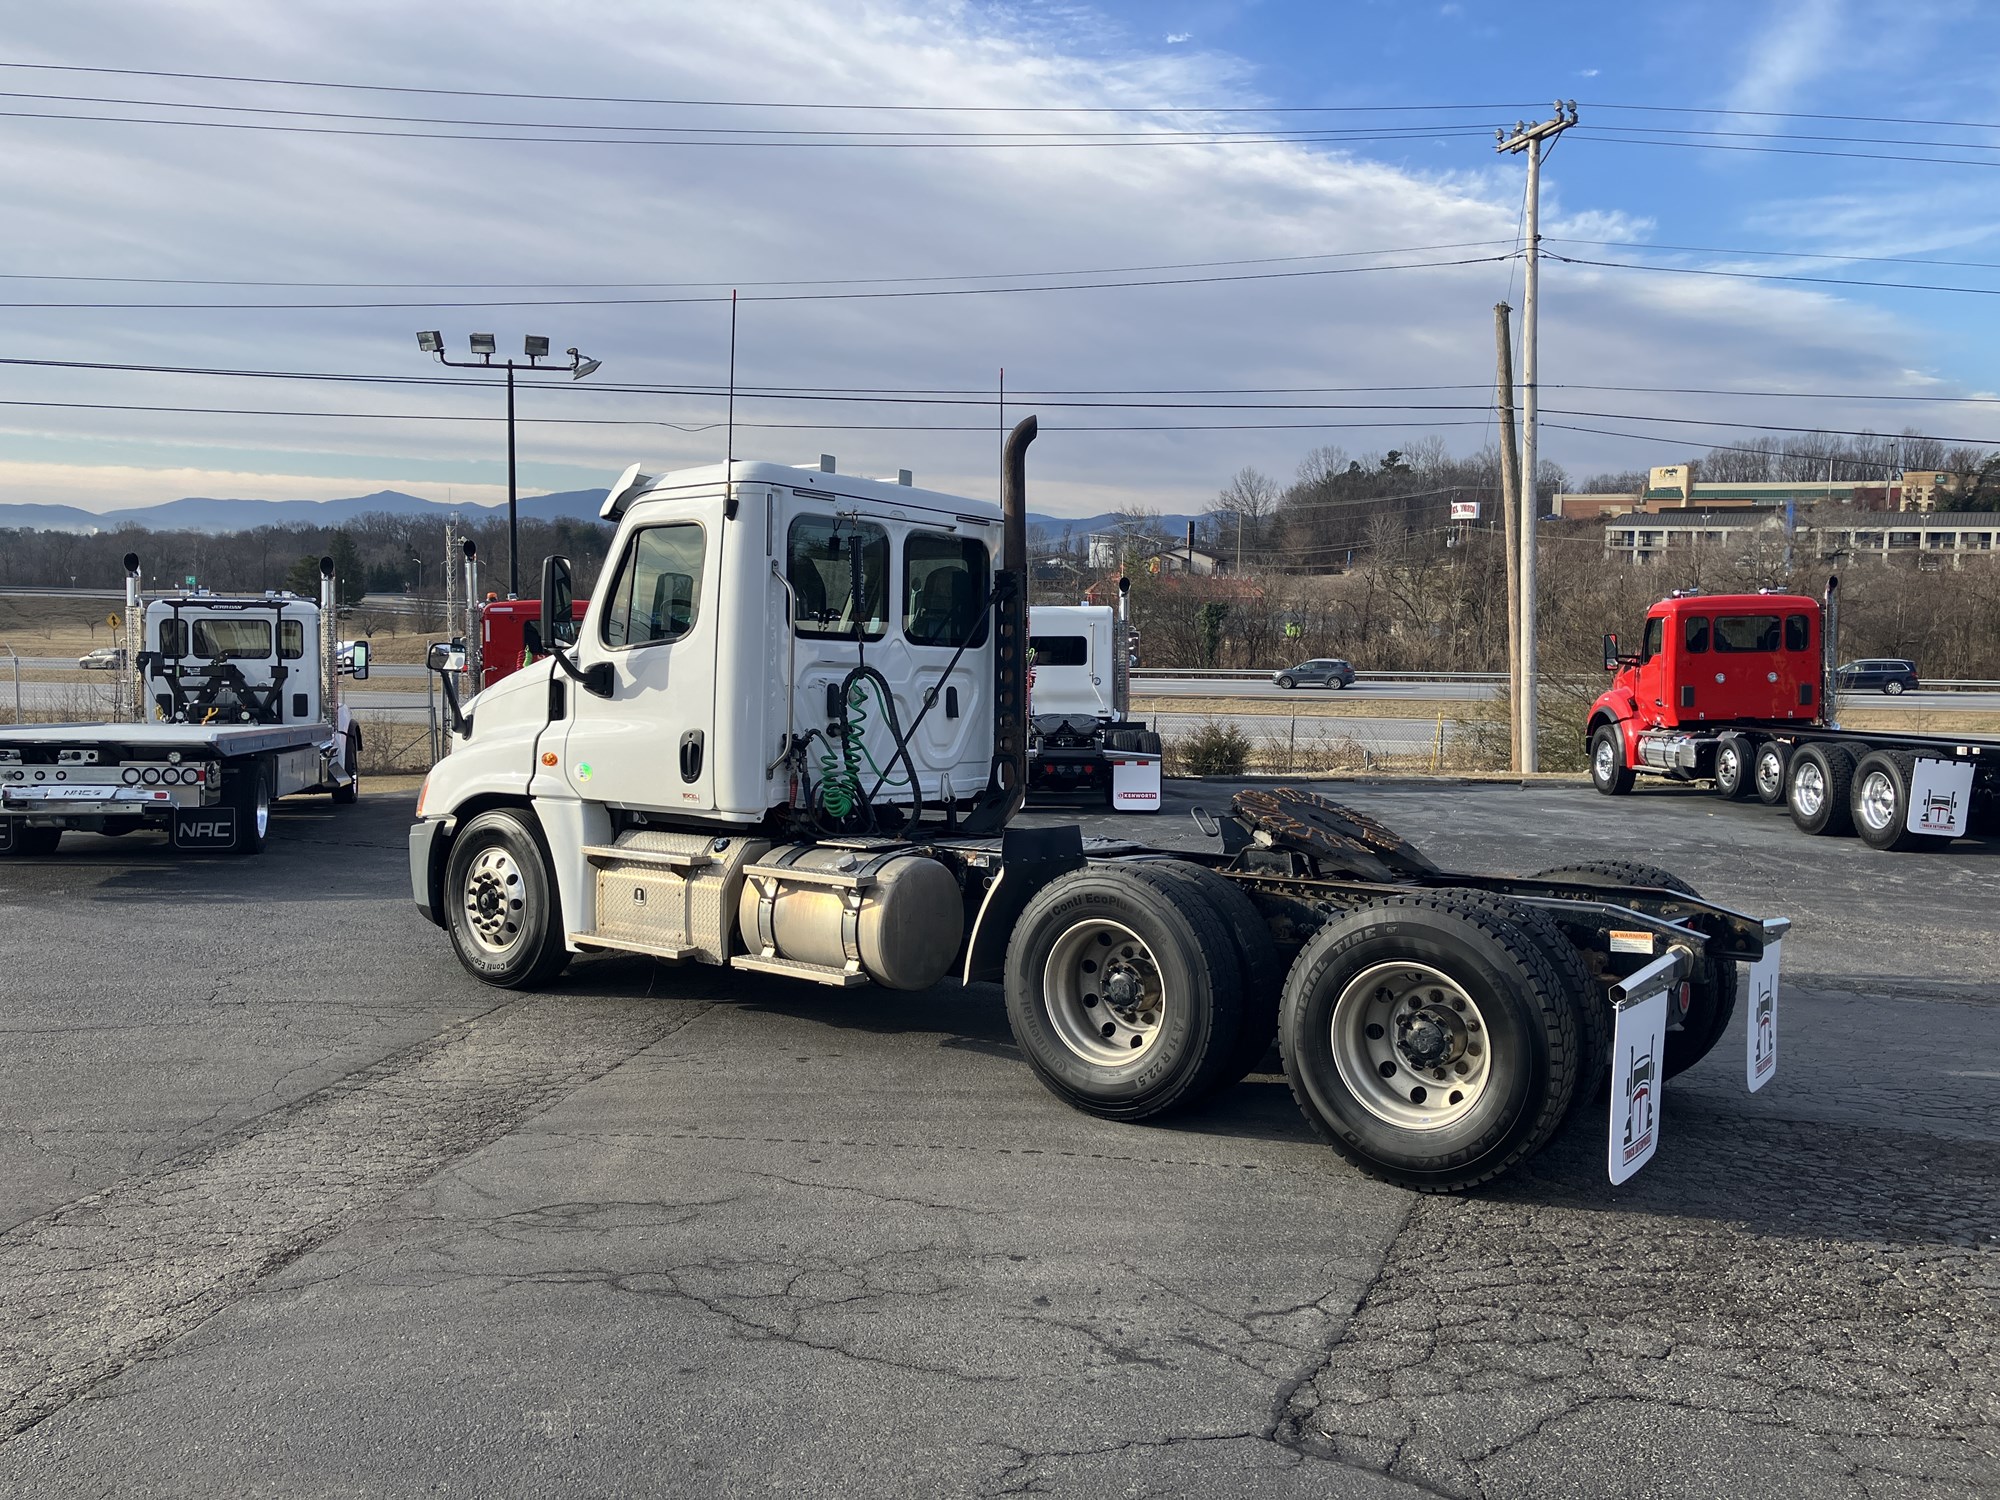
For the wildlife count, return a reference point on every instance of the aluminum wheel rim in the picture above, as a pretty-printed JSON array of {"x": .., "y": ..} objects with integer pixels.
[
  {"x": 1728, "y": 765},
  {"x": 1808, "y": 789},
  {"x": 1877, "y": 802},
  {"x": 1770, "y": 773},
  {"x": 1607, "y": 761},
  {"x": 1103, "y": 993},
  {"x": 1412, "y": 1045},
  {"x": 494, "y": 900}
]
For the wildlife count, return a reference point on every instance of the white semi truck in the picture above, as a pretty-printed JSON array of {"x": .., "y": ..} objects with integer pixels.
[
  {"x": 790, "y": 736},
  {"x": 234, "y": 703},
  {"x": 1082, "y": 739}
]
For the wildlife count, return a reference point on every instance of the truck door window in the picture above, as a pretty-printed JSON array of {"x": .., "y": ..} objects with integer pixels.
[
  {"x": 657, "y": 587},
  {"x": 1746, "y": 632},
  {"x": 944, "y": 584},
  {"x": 292, "y": 639},
  {"x": 817, "y": 564},
  {"x": 173, "y": 638},
  {"x": 1798, "y": 633},
  {"x": 1656, "y": 634},
  {"x": 232, "y": 640},
  {"x": 1694, "y": 634},
  {"x": 1059, "y": 650}
]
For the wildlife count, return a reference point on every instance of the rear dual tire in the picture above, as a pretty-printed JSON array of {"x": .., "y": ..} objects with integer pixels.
[
  {"x": 32, "y": 843},
  {"x": 1881, "y": 803},
  {"x": 1430, "y": 1041},
  {"x": 1735, "y": 776},
  {"x": 1818, "y": 789},
  {"x": 1124, "y": 990}
]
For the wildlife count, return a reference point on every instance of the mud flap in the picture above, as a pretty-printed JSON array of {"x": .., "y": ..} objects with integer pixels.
[
  {"x": 1760, "y": 1052},
  {"x": 205, "y": 829},
  {"x": 1638, "y": 1048}
]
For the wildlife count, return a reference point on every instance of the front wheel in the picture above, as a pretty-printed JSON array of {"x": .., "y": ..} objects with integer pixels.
[
  {"x": 1288, "y": 682},
  {"x": 1429, "y": 1042},
  {"x": 1608, "y": 771},
  {"x": 1124, "y": 991},
  {"x": 501, "y": 902}
]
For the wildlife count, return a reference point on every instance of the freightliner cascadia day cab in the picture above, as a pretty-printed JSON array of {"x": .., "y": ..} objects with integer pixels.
[
  {"x": 790, "y": 736},
  {"x": 1082, "y": 738}
]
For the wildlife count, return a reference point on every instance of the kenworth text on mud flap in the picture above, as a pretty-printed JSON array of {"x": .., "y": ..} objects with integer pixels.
[
  {"x": 1739, "y": 690},
  {"x": 1082, "y": 738},
  {"x": 772, "y": 744},
  {"x": 233, "y": 703}
]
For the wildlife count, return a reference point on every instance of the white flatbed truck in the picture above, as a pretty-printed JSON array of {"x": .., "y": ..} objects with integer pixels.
[
  {"x": 790, "y": 737},
  {"x": 240, "y": 704}
]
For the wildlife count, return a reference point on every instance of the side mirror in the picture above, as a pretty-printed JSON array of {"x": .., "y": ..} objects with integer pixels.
[
  {"x": 558, "y": 602},
  {"x": 1611, "y": 653},
  {"x": 446, "y": 656},
  {"x": 358, "y": 656}
]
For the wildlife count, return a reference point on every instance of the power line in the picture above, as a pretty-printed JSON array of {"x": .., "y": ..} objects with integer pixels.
[
  {"x": 1881, "y": 260},
  {"x": 1626, "y": 416},
  {"x": 1793, "y": 114},
  {"x": 1154, "y": 139},
  {"x": 1642, "y": 437},
  {"x": 1206, "y": 133},
  {"x": 1783, "y": 135},
  {"x": 971, "y": 396},
  {"x": 1896, "y": 286},
  {"x": 876, "y": 108},
  {"x": 1947, "y": 161},
  {"x": 975, "y": 291},
  {"x": 482, "y": 286}
]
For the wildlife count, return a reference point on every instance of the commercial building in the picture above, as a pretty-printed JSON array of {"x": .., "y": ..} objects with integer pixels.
[{"x": 1936, "y": 535}]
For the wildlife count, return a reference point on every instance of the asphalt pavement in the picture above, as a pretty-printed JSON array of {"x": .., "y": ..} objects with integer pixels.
[{"x": 296, "y": 1208}]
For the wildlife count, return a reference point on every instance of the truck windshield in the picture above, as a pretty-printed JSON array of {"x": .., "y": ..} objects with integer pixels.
[
  {"x": 819, "y": 570},
  {"x": 1746, "y": 632},
  {"x": 944, "y": 584},
  {"x": 1059, "y": 650},
  {"x": 232, "y": 640}
]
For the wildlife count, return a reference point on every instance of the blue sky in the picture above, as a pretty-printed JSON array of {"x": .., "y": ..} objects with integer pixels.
[{"x": 99, "y": 199}]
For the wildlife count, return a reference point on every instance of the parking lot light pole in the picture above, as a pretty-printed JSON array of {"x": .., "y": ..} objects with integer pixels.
[{"x": 536, "y": 349}]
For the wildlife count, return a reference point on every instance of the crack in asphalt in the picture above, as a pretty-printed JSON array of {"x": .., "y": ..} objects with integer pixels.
[
  {"x": 97, "y": 1284},
  {"x": 1843, "y": 1308}
]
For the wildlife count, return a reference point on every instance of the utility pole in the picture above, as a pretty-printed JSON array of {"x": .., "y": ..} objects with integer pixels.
[
  {"x": 1510, "y": 515},
  {"x": 1532, "y": 139}
]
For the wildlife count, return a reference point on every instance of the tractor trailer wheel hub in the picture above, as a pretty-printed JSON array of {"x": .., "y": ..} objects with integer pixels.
[{"x": 1411, "y": 1045}]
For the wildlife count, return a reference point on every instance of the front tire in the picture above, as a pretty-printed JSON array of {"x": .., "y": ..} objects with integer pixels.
[
  {"x": 501, "y": 902},
  {"x": 1429, "y": 1041},
  {"x": 1287, "y": 682},
  {"x": 1818, "y": 789},
  {"x": 1608, "y": 771},
  {"x": 351, "y": 793},
  {"x": 1123, "y": 991}
]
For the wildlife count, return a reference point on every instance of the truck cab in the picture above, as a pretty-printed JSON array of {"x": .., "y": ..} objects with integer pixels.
[
  {"x": 210, "y": 659},
  {"x": 1706, "y": 662}
]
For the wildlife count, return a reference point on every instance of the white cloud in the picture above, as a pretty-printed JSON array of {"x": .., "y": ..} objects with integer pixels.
[
  {"x": 107, "y": 200},
  {"x": 1586, "y": 72},
  {"x": 1175, "y": 38},
  {"x": 1795, "y": 48}
]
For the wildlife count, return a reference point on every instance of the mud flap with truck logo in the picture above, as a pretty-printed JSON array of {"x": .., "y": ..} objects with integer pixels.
[{"x": 210, "y": 829}]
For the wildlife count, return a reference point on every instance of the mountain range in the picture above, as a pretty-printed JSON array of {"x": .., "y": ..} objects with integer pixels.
[{"x": 197, "y": 513}]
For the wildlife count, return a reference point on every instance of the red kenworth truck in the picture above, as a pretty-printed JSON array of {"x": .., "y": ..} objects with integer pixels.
[{"x": 1737, "y": 689}]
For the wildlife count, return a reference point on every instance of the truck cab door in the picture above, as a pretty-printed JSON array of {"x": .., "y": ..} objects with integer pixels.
[
  {"x": 1649, "y": 682},
  {"x": 647, "y": 744}
]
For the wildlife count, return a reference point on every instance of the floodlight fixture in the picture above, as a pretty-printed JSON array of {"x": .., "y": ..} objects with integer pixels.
[
  {"x": 581, "y": 365},
  {"x": 537, "y": 346},
  {"x": 485, "y": 343},
  {"x": 431, "y": 342}
]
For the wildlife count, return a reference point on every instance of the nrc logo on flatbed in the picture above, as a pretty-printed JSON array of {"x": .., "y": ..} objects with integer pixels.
[{"x": 211, "y": 828}]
